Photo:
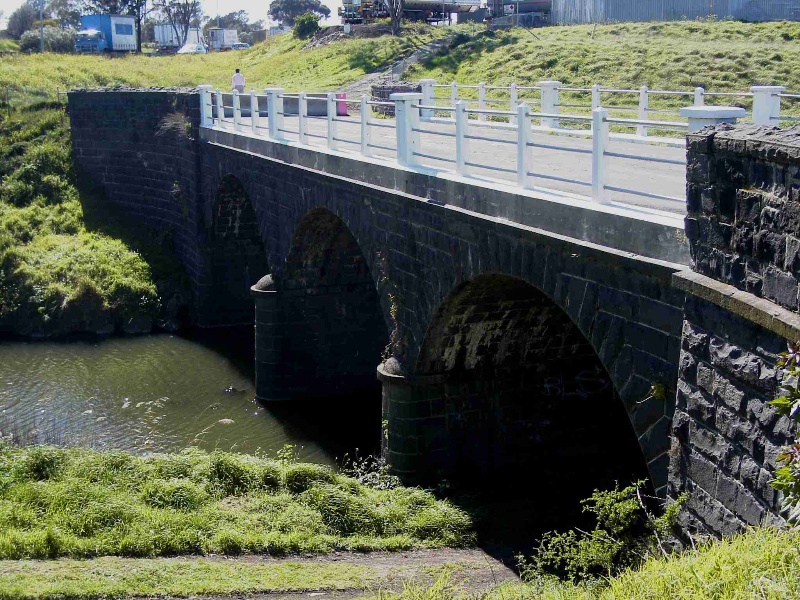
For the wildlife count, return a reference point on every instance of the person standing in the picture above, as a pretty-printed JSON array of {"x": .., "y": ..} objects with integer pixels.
[{"x": 238, "y": 82}]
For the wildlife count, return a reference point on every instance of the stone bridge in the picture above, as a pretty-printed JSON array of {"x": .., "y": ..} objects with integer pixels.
[{"x": 514, "y": 334}]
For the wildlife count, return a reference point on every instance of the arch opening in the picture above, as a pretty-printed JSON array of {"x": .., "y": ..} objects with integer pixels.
[
  {"x": 522, "y": 402},
  {"x": 238, "y": 256},
  {"x": 335, "y": 329}
]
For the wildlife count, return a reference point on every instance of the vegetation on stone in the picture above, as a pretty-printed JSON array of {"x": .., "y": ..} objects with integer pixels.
[{"x": 82, "y": 503}]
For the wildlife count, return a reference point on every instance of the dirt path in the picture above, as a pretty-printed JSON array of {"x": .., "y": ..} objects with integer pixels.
[{"x": 472, "y": 570}]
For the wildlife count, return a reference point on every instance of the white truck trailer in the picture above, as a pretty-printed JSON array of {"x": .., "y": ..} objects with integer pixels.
[
  {"x": 222, "y": 39},
  {"x": 167, "y": 38}
]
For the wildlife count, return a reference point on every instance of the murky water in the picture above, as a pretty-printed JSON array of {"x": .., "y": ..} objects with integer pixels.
[{"x": 161, "y": 393}]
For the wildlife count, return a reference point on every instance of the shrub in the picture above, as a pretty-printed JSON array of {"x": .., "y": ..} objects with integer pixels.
[
  {"x": 55, "y": 40},
  {"x": 305, "y": 26},
  {"x": 625, "y": 535},
  {"x": 231, "y": 475},
  {"x": 343, "y": 513},
  {"x": 787, "y": 476},
  {"x": 43, "y": 462}
]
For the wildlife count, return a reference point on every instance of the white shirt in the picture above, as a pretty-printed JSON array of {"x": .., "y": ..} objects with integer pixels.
[{"x": 238, "y": 79}]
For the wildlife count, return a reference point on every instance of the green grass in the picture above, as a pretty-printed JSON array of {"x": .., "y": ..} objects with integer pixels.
[
  {"x": 280, "y": 61},
  {"x": 7, "y": 45},
  {"x": 80, "y": 503},
  {"x": 720, "y": 56},
  {"x": 112, "y": 577},
  {"x": 763, "y": 563}
]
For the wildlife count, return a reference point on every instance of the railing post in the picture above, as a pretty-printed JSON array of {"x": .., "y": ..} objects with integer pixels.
[
  {"x": 644, "y": 102},
  {"x": 766, "y": 103},
  {"x": 462, "y": 143},
  {"x": 453, "y": 94},
  {"x": 237, "y": 111},
  {"x": 523, "y": 152},
  {"x": 699, "y": 96},
  {"x": 407, "y": 120},
  {"x": 428, "y": 97},
  {"x": 220, "y": 109},
  {"x": 253, "y": 112},
  {"x": 595, "y": 96},
  {"x": 599, "y": 144},
  {"x": 366, "y": 130},
  {"x": 512, "y": 103},
  {"x": 549, "y": 102},
  {"x": 302, "y": 113},
  {"x": 206, "y": 114},
  {"x": 274, "y": 111},
  {"x": 332, "y": 120},
  {"x": 481, "y": 100}
]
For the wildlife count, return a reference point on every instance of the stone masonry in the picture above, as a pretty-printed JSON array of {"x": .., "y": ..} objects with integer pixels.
[{"x": 489, "y": 328}]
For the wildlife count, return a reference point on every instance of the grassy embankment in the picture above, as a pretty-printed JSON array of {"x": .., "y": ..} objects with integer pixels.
[
  {"x": 719, "y": 56},
  {"x": 67, "y": 262},
  {"x": 7, "y": 45},
  {"x": 82, "y": 503}
]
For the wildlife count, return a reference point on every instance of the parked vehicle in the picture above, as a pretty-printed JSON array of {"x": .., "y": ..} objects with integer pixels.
[
  {"x": 240, "y": 46},
  {"x": 366, "y": 11},
  {"x": 106, "y": 33},
  {"x": 222, "y": 39},
  {"x": 167, "y": 39},
  {"x": 193, "y": 49}
]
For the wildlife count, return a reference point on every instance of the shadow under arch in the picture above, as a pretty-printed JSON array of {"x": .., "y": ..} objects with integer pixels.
[
  {"x": 238, "y": 256},
  {"x": 332, "y": 336},
  {"x": 527, "y": 415}
]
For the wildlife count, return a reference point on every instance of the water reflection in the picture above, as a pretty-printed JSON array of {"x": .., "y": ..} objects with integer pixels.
[{"x": 164, "y": 393}]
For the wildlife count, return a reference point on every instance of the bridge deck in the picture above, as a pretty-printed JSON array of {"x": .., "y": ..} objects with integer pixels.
[{"x": 653, "y": 177}]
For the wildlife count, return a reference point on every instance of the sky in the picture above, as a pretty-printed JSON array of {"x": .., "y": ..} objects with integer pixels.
[{"x": 257, "y": 9}]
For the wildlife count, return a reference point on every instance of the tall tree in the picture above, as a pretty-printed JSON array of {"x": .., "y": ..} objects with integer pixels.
[
  {"x": 104, "y": 7},
  {"x": 286, "y": 11},
  {"x": 181, "y": 15},
  {"x": 67, "y": 13},
  {"x": 139, "y": 10},
  {"x": 21, "y": 20}
]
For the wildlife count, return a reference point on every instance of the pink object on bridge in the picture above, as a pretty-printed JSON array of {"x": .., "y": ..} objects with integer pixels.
[{"x": 341, "y": 107}]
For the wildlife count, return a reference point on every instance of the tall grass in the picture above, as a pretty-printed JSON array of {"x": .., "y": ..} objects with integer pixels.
[
  {"x": 82, "y": 503},
  {"x": 763, "y": 563}
]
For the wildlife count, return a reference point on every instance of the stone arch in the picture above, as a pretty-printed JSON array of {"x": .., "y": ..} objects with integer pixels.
[
  {"x": 238, "y": 256},
  {"x": 506, "y": 386},
  {"x": 335, "y": 328}
]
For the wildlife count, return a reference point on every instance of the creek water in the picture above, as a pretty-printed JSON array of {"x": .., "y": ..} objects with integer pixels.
[{"x": 163, "y": 393}]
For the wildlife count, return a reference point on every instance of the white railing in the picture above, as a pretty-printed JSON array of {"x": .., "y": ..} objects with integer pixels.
[
  {"x": 765, "y": 101},
  {"x": 450, "y": 140}
]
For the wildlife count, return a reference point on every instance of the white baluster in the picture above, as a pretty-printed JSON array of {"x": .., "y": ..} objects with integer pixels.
[
  {"x": 524, "y": 155},
  {"x": 550, "y": 97},
  {"x": 596, "y": 96},
  {"x": 513, "y": 100},
  {"x": 699, "y": 96},
  {"x": 428, "y": 97},
  {"x": 332, "y": 121},
  {"x": 220, "y": 109},
  {"x": 462, "y": 143},
  {"x": 274, "y": 112},
  {"x": 644, "y": 102},
  {"x": 366, "y": 130},
  {"x": 237, "y": 111},
  {"x": 481, "y": 100},
  {"x": 302, "y": 113},
  {"x": 206, "y": 115},
  {"x": 766, "y": 103},
  {"x": 453, "y": 94},
  {"x": 599, "y": 145},
  {"x": 253, "y": 112},
  {"x": 407, "y": 120}
]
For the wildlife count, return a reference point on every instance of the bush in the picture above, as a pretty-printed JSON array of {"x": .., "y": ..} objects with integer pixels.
[
  {"x": 625, "y": 535},
  {"x": 300, "y": 477},
  {"x": 55, "y": 40},
  {"x": 305, "y": 26},
  {"x": 787, "y": 476},
  {"x": 179, "y": 494}
]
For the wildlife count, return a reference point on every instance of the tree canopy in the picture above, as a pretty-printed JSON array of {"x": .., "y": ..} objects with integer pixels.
[{"x": 286, "y": 11}]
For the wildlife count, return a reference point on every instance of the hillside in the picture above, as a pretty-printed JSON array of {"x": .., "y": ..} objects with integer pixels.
[
  {"x": 280, "y": 61},
  {"x": 720, "y": 56}
]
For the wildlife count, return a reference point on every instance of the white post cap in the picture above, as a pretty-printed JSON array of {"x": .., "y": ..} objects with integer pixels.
[
  {"x": 774, "y": 89},
  {"x": 405, "y": 96},
  {"x": 701, "y": 116}
]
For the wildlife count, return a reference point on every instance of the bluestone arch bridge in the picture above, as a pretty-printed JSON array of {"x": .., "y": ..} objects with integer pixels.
[{"x": 507, "y": 326}]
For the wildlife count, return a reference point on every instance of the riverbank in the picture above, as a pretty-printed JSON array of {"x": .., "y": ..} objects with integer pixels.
[{"x": 81, "y": 503}]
